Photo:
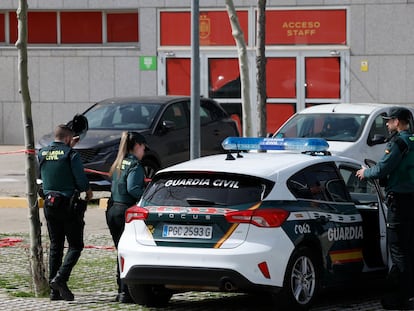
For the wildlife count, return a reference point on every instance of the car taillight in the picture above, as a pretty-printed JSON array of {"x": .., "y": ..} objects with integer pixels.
[
  {"x": 135, "y": 213},
  {"x": 270, "y": 218}
]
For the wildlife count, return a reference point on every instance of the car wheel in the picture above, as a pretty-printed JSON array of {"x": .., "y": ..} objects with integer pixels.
[
  {"x": 301, "y": 281},
  {"x": 150, "y": 167},
  {"x": 150, "y": 295}
]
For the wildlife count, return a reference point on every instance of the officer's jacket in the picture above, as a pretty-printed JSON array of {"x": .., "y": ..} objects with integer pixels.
[
  {"x": 61, "y": 169},
  {"x": 397, "y": 164},
  {"x": 128, "y": 187}
]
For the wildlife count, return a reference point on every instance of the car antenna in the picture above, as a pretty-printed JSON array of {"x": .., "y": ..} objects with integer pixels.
[
  {"x": 334, "y": 107},
  {"x": 230, "y": 156}
]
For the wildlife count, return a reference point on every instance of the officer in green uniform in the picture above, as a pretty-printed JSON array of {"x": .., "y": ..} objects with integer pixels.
[
  {"x": 63, "y": 176},
  {"x": 396, "y": 172},
  {"x": 127, "y": 187}
]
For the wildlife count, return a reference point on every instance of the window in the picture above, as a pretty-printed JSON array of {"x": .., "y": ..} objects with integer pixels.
[
  {"x": 122, "y": 27},
  {"x": 81, "y": 27},
  {"x": 331, "y": 126},
  {"x": 2, "y": 31},
  {"x": 132, "y": 116},
  {"x": 199, "y": 189},
  {"x": 176, "y": 113},
  {"x": 362, "y": 191},
  {"x": 319, "y": 182},
  {"x": 178, "y": 76},
  {"x": 42, "y": 27},
  {"x": 209, "y": 112},
  {"x": 378, "y": 130},
  {"x": 54, "y": 27},
  {"x": 224, "y": 78}
]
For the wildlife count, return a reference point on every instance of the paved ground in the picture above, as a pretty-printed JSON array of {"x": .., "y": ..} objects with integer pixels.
[{"x": 94, "y": 276}]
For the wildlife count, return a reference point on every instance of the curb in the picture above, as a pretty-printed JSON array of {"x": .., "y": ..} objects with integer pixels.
[{"x": 18, "y": 202}]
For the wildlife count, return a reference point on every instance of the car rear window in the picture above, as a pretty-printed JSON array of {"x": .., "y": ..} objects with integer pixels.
[
  {"x": 331, "y": 126},
  {"x": 201, "y": 189}
]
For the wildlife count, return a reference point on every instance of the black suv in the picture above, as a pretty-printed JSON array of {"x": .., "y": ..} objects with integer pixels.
[{"x": 163, "y": 120}]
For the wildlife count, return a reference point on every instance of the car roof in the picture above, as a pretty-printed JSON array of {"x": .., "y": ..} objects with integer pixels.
[
  {"x": 259, "y": 164},
  {"x": 143, "y": 99},
  {"x": 360, "y": 108}
]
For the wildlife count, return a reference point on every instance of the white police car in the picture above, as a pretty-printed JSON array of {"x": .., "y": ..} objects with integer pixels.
[{"x": 286, "y": 223}]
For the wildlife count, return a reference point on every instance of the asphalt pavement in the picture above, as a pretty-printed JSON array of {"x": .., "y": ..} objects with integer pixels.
[{"x": 15, "y": 220}]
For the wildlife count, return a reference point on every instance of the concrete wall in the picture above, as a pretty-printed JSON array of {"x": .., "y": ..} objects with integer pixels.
[{"x": 66, "y": 80}]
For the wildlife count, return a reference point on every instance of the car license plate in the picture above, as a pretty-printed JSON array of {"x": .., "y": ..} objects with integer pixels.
[{"x": 183, "y": 231}]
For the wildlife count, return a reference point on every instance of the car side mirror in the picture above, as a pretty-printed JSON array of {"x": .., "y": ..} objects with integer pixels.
[
  {"x": 166, "y": 126},
  {"x": 376, "y": 140}
]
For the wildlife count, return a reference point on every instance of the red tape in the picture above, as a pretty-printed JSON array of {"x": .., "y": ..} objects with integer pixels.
[
  {"x": 109, "y": 248},
  {"x": 88, "y": 170},
  {"x": 27, "y": 151},
  {"x": 8, "y": 242}
]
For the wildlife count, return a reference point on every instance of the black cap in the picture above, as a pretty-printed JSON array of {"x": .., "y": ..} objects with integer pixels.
[
  {"x": 78, "y": 125},
  {"x": 399, "y": 113},
  {"x": 137, "y": 138}
]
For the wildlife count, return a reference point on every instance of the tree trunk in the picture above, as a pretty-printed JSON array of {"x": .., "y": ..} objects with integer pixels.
[
  {"x": 244, "y": 68},
  {"x": 37, "y": 267},
  {"x": 261, "y": 69}
]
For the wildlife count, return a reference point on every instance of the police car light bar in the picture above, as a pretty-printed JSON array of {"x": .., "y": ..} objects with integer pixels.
[{"x": 260, "y": 143}]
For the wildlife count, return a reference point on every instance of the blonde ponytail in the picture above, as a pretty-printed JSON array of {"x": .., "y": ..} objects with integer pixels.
[{"x": 122, "y": 152}]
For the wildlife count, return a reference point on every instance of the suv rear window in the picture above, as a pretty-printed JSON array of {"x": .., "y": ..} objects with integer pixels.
[{"x": 201, "y": 189}]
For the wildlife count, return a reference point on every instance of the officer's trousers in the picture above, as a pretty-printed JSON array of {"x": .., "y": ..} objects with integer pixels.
[
  {"x": 62, "y": 222},
  {"x": 400, "y": 231},
  {"x": 115, "y": 219}
]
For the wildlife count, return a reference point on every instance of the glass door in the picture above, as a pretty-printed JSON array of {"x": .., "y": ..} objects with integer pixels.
[{"x": 294, "y": 80}]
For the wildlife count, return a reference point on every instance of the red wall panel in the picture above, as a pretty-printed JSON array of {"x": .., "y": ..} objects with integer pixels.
[
  {"x": 215, "y": 28},
  {"x": 306, "y": 27}
]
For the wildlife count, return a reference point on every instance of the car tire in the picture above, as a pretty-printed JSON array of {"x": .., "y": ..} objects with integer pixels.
[
  {"x": 150, "y": 295},
  {"x": 150, "y": 167},
  {"x": 302, "y": 281}
]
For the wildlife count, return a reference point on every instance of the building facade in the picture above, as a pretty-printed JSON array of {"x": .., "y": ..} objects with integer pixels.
[{"x": 83, "y": 51}]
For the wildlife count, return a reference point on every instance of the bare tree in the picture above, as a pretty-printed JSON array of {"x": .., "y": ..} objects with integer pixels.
[
  {"x": 40, "y": 285},
  {"x": 261, "y": 69},
  {"x": 244, "y": 68}
]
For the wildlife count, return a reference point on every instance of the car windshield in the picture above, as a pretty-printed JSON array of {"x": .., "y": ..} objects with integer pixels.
[
  {"x": 206, "y": 189},
  {"x": 123, "y": 116},
  {"x": 334, "y": 127}
]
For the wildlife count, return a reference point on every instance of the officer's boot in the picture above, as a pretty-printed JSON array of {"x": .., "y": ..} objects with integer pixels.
[{"x": 59, "y": 284}]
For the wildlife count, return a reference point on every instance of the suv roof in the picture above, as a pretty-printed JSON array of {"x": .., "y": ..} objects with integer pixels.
[
  {"x": 363, "y": 108},
  {"x": 144, "y": 99}
]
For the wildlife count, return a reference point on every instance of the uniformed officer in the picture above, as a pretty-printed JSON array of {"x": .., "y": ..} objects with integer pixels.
[
  {"x": 396, "y": 172},
  {"x": 127, "y": 187},
  {"x": 63, "y": 176}
]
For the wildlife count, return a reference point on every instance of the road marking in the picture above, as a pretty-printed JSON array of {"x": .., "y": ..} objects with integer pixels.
[{"x": 8, "y": 180}]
